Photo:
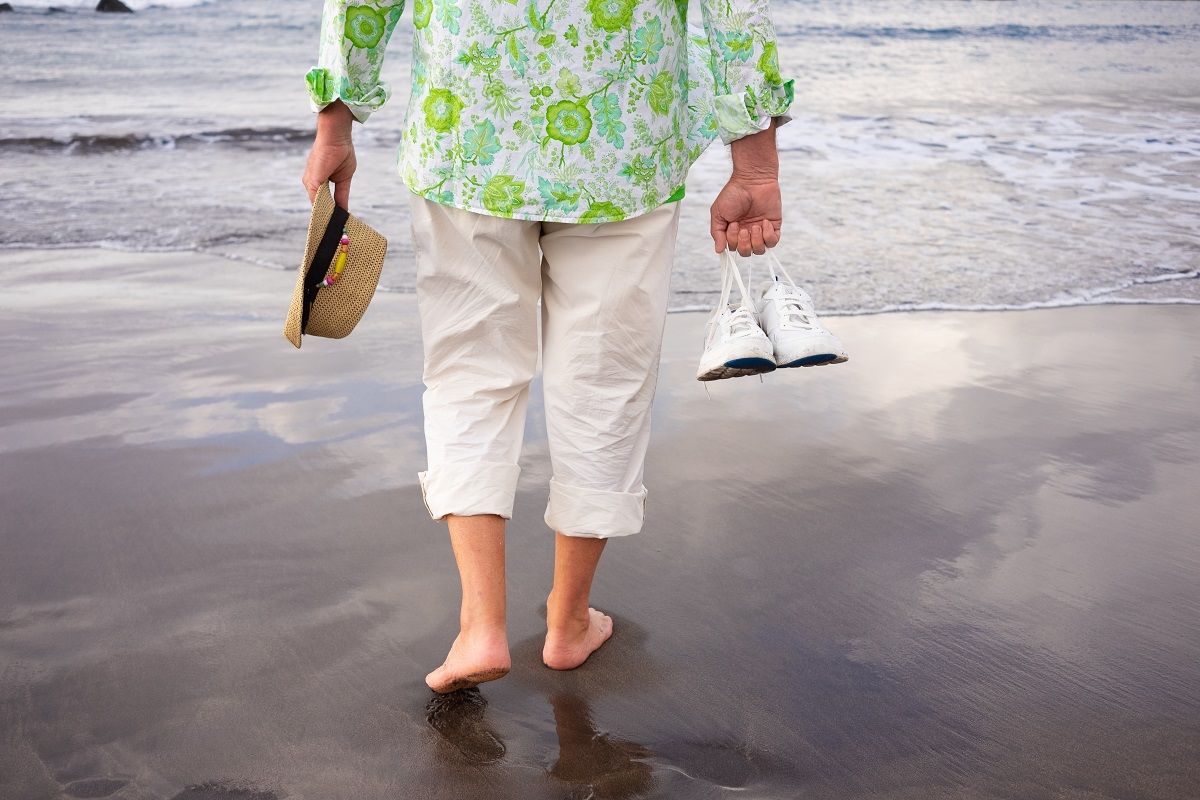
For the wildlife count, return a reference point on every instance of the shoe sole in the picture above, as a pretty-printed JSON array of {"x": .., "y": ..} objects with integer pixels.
[
  {"x": 818, "y": 360},
  {"x": 738, "y": 368}
]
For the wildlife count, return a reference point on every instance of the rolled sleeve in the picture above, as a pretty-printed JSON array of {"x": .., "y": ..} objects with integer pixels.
[
  {"x": 745, "y": 113},
  {"x": 354, "y": 37},
  {"x": 749, "y": 89}
]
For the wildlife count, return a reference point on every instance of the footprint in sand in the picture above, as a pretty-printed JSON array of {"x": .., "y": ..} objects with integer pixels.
[{"x": 458, "y": 717}]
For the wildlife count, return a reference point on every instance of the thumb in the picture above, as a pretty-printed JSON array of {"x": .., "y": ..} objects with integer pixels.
[
  {"x": 716, "y": 229},
  {"x": 341, "y": 193}
]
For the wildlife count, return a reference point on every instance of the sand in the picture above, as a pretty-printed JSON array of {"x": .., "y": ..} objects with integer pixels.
[{"x": 962, "y": 565}]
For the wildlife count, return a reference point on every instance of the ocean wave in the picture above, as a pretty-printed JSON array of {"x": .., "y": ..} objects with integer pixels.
[
  {"x": 116, "y": 245},
  {"x": 87, "y": 143},
  {"x": 1033, "y": 305},
  {"x": 1096, "y": 296},
  {"x": 1089, "y": 33},
  {"x": 89, "y": 5}
]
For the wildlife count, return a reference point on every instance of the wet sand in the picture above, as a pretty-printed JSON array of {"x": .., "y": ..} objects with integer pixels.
[{"x": 962, "y": 565}]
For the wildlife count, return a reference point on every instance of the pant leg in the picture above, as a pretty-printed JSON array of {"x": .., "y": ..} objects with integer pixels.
[
  {"x": 478, "y": 282},
  {"x": 604, "y": 304}
]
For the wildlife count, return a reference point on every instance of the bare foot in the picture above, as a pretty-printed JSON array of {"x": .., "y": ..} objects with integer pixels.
[
  {"x": 474, "y": 658},
  {"x": 569, "y": 645}
]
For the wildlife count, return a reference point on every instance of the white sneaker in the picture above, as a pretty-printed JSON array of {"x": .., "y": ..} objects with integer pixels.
[
  {"x": 797, "y": 336},
  {"x": 734, "y": 344}
]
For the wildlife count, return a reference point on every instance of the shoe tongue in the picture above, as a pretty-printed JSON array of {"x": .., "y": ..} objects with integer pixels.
[{"x": 792, "y": 293}]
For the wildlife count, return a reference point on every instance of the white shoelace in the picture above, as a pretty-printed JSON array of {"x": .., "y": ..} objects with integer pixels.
[
  {"x": 796, "y": 309},
  {"x": 741, "y": 320}
]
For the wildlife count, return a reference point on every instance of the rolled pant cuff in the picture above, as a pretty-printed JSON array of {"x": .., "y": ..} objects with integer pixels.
[
  {"x": 573, "y": 511},
  {"x": 469, "y": 489}
]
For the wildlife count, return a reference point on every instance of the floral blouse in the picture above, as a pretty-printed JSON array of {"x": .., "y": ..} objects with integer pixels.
[{"x": 561, "y": 110}]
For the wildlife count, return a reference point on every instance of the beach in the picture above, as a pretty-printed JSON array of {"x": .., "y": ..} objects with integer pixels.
[{"x": 961, "y": 565}]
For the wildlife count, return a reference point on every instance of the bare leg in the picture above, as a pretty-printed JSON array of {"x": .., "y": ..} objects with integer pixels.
[
  {"x": 573, "y": 630},
  {"x": 480, "y": 652}
]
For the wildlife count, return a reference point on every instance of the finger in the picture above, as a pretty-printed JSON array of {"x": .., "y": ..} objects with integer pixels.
[
  {"x": 309, "y": 188},
  {"x": 341, "y": 193},
  {"x": 770, "y": 233},
  {"x": 744, "y": 241},
  {"x": 716, "y": 229},
  {"x": 732, "y": 233},
  {"x": 756, "y": 239}
]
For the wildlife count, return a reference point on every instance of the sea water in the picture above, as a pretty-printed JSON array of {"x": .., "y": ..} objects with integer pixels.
[{"x": 941, "y": 155}]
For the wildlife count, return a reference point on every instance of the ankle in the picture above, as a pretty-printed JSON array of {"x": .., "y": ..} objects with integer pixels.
[
  {"x": 482, "y": 627},
  {"x": 566, "y": 612}
]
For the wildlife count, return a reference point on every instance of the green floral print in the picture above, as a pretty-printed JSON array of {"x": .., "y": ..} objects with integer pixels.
[
  {"x": 442, "y": 108},
  {"x": 320, "y": 85},
  {"x": 602, "y": 211},
  {"x": 364, "y": 26},
  {"x": 560, "y": 110},
  {"x": 422, "y": 12},
  {"x": 611, "y": 15},
  {"x": 662, "y": 93},
  {"x": 502, "y": 194},
  {"x": 568, "y": 122}
]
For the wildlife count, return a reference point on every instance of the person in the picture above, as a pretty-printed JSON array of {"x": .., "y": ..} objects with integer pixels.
[{"x": 545, "y": 148}]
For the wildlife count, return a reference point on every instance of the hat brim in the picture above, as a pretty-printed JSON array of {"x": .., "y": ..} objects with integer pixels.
[
  {"x": 333, "y": 310},
  {"x": 318, "y": 221}
]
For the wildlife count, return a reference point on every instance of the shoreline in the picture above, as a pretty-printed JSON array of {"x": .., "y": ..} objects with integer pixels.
[{"x": 1090, "y": 297}]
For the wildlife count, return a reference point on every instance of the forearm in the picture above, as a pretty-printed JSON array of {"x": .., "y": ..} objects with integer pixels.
[
  {"x": 335, "y": 121},
  {"x": 755, "y": 157}
]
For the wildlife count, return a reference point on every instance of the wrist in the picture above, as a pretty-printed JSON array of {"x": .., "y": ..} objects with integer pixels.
[
  {"x": 755, "y": 175},
  {"x": 755, "y": 157},
  {"x": 335, "y": 121}
]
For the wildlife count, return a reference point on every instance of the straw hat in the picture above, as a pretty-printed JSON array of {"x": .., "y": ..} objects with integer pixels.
[{"x": 333, "y": 310}]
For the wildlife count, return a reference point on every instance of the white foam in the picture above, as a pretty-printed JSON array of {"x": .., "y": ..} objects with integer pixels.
[
  {"x": 136, "y": 5},
  {"x": 980, "y": 307}
]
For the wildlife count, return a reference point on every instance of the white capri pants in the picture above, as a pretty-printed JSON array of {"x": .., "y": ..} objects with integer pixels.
[{"x": 603, "y": 288}]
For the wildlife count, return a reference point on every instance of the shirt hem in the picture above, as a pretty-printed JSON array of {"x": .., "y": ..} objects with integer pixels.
[{"x": 528, "y": 217}]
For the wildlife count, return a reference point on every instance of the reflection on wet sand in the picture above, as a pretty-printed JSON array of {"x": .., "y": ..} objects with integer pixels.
[
  {"x": 592, "y": 763},
  {"x": 589, "y": 762}
]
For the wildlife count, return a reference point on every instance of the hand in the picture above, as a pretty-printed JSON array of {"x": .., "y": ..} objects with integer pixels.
[
  {"x": 332, "y": 155},
  {"x": 747, "y": 215}
]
